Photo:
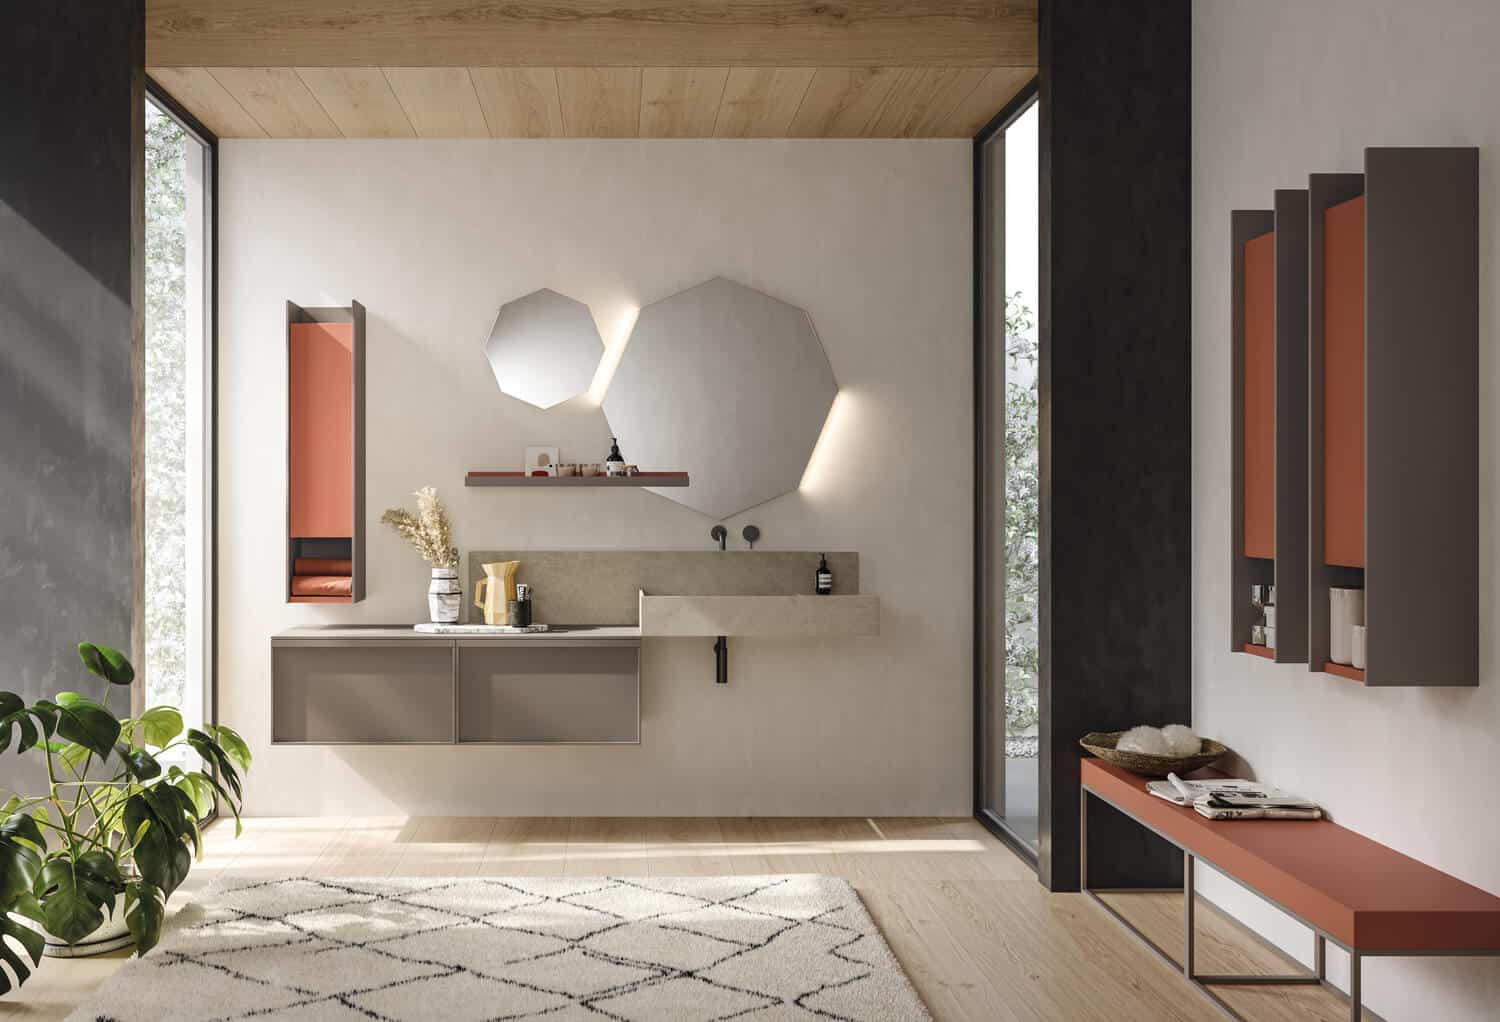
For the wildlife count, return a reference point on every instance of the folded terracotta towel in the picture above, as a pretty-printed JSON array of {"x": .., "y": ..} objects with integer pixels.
[
  {"x": 322, "y": 566},
  {"x": 322, "y": 585}
]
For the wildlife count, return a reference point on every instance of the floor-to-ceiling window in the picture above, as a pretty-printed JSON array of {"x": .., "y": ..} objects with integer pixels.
[
  {"x": 1008, "y": 509},
  {"x": 178, "y": 417}
]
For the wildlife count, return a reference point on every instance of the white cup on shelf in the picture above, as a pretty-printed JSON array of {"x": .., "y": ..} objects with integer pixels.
[
  {"x": 1357, "y": 646},
  {"x": 1346, "y": 608}
]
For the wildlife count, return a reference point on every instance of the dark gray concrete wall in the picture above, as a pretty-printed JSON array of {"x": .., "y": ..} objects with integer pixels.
[
  {"x": 1116, "y": 411},
  {"x": 71, "y": 77}
]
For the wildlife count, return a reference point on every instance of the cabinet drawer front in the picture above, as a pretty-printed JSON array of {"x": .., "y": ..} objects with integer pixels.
[
  {"x": 355, "y": 694},
  {"x": 518, "y": 694}
]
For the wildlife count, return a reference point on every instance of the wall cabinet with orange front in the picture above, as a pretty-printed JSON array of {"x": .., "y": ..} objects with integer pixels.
[
  {"x": 325, "y": 486},
  {"x": 1268, "y": 489},
  {"x": 1393, "y": 417}
]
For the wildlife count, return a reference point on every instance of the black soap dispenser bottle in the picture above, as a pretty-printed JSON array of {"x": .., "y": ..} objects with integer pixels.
[
  {"x": 823, "y": 585},
  {"x": 614, "y": 463}
]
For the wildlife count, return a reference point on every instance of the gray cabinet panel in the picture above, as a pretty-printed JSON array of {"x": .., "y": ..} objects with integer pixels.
[
  {"x": 519, "y": 694},
  {"x": 348, "y": 693}
]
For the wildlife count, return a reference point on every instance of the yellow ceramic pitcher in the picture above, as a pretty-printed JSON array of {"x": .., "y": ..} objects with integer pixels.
[{"x": 495, "y": 590}]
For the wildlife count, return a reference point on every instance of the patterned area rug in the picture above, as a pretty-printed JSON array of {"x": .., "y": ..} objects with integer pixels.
[{"x": 752, "y": 949}]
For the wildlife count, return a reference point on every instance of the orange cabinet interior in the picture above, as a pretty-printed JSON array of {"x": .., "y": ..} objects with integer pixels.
[
  {"x": 1344, "y": 384},
  {"x": 1260, "y": 397},
  {"x": 320, "y": 448},
  {"x": 321, "y": 430}
]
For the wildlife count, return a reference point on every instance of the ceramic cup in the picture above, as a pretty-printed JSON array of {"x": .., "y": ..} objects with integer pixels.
[
  {"x": 589, "y": 470},
  {"x": 1346, "y": 608},
  {"x": 567, "y": 469},
  {"x": 1357, "y": 646}
]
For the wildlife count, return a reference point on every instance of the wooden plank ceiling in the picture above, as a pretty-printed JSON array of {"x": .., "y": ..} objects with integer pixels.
[{"x": 591, "y": 68}]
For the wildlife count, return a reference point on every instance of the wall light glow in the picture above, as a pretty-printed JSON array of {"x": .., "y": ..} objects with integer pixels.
[
  {"x": 614, "y": 347},
  {"x": 834, "y": 440}
]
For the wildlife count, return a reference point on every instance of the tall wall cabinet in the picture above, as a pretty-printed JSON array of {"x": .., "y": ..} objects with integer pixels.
[
  {"x": 1374, "y": 391},
  {"x": 1269, "y": 401},
  {"x": 325, "y": 485}
]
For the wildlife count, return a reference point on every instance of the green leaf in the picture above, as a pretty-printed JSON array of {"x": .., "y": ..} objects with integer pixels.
[
  {"x": 108, "y": 663},
  {"x": 73, "y": 756},
  {"x": 84, "y": 721},
  {"x": 139, "y": 764},
  {"x": 145, "y": 908},
  {"x": 159, "y": 725},
  {"x": 198, "y": 789},
  {"x": 16, "y": 715},
  {"x": 29, "y": 939},
  {"x": 232, "y": 744},
  {"x": 233, "y": 808},
  {"x": 74, "y": 895},
  {"x": 215, "y": 757},
  {"x": 161, "y": 857},
  {"x": 20, "y": 842}
]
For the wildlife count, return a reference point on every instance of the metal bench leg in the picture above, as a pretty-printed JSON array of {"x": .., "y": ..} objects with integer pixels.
[
  {"x": 1354, "y": 991},
  {"x": 1189, "y": 901}
]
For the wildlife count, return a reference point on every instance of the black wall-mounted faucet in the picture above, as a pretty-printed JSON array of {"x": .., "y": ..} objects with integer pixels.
[
  {"x": 719, "y": 535},
  {"x": 751, "y": 534}
]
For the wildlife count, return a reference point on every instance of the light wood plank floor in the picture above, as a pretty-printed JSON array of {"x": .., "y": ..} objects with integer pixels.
[{"x": 980, "y": 938}]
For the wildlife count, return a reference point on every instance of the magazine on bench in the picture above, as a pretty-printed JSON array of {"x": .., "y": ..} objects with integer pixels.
[{"x": 1237, "y": 799}]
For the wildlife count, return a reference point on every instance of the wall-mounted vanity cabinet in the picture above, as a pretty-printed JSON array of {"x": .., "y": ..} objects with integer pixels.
[
  {"x": 325, "y": 454},
  {"x": 1268, "y": 536},
  {"x": 378, "y": 685},
  {"x": 1393, "y": 412}
]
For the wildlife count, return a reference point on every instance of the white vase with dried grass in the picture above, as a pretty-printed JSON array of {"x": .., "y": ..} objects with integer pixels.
[{"x": 430, "y": 534}]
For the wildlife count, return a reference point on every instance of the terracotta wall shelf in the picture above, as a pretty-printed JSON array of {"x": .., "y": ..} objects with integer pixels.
[
  {"x": 1344, "y": 671},
  {"x": 1268, "y": 542},
  {"x": 1393, "y": 412},
  {"x": 521, "y": 479},
  {"x": 325, "y": 487}
]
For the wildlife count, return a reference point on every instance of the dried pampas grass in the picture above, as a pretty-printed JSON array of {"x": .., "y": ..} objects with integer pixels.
[{"x": 428, "y": 530}]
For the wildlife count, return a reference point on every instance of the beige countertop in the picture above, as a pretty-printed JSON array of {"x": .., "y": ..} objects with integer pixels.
[{"x": 569, "y": 633}]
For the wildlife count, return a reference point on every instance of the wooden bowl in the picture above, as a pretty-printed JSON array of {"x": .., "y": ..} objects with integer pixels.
[{"x": 1102, "y": 744}]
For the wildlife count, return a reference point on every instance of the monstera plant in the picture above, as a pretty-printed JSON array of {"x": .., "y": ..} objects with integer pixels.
[{"x": 118, "y": 817}]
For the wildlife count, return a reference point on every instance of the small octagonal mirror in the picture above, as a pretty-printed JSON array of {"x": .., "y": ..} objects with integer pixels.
[{"x": 544, "y": 348}]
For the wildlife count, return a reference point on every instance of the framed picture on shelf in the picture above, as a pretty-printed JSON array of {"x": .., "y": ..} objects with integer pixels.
[{"x": 541, "y": 461}]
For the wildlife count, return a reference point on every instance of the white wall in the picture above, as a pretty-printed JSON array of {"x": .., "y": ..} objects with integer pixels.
[
  {"x": 872, "y": 238},
  {"x": 1282, "y": 88}
]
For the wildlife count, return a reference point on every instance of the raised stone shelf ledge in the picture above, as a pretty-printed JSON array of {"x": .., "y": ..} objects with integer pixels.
[{"x": 790, "y": 616}]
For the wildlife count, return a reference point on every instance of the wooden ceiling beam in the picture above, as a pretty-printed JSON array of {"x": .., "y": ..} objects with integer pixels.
[{"x": 590, "y": 33}]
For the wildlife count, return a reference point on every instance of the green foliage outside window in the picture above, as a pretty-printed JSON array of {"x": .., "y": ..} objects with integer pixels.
[
  {"x": 166, "y": 409},
  {"x": 1022, "y": 518}
]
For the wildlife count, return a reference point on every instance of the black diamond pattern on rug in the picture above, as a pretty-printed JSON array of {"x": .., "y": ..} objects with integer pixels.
[{"x": 483, "y": 949}]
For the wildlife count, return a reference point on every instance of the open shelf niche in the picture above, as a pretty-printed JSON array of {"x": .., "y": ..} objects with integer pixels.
[
  {"x": 325, "y": 486},
  {"x": 1393, "y": 412},
  {"x": 1268, "y": 410}
]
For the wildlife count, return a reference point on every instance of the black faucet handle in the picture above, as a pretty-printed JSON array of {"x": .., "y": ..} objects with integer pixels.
[
  {"x": 719, "y": 535},
  {"x": 751, "y": 534}
]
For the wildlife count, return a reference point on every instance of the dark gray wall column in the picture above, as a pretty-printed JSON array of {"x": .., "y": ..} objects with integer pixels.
[
  {"x": 71, "y": 115},
  {"x": 1116, "y": 406}
]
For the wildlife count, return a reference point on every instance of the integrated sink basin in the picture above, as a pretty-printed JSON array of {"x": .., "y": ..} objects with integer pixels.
[{"x": 787, "y": 616}]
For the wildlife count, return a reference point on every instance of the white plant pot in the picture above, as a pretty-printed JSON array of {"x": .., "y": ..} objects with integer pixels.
[
  {"x": 112, "y": 935},
  {"x": 444, "y": 596}
]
